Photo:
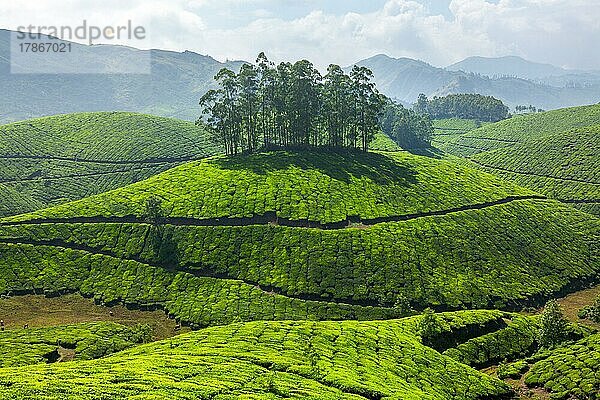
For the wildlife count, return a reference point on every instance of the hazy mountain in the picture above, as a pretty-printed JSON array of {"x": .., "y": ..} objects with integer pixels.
[
  {"x": 177, "y": 81},
  {"x": 507, "y": 66},
  {"x": 173, "y": 88},
  {"x": 403, "y": 79},
  {"x": 518, "y": 67}
]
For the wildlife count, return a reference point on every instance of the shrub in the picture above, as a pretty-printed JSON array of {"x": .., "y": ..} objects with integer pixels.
[
  {"x": 591, "y": 312},
  {"x": 553, "y": 325},
  {"x": 430, "y": 327}
]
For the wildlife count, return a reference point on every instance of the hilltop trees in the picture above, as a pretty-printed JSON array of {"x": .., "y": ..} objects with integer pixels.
[
  {"x": 467, "y": 106},
  {"x": 292, "y": 105}
]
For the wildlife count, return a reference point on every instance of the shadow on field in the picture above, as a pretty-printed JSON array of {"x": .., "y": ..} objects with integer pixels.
[
  {"x": 341, "y": 165},
  {"x": 430, "y": 152}
]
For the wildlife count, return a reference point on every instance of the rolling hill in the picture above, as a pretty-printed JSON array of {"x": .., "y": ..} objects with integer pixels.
[
  {"x": 554, "y": 153},
  {"x": 395, "y": 359},
  {"x": 563, "y": 166},
  {"x": 273, "y": 360},
  {"x": 62, "y": 158},
  {"x": 309, "y": 235}
]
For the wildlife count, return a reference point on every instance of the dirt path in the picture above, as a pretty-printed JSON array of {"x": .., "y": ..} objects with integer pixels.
[{"x": 271, "y": 218}]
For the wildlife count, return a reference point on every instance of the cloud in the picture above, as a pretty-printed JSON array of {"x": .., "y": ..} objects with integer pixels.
[{"x": 562, "y": 32}]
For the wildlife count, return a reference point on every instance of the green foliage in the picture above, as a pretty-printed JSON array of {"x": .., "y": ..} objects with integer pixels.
[
  {"x": 552, "y": 325},
  {"x": 88, "y": 341},
  {"x": 569, "y": 371},
  {"x": 316, "y": 360},
  {"x": 57, "y": 159},
  {"x": 524, "y": 128},
  {"x": 476, "y": 258},
  {"x": 430, "y": 326},
  {"x": 407, "y": 128},
  {"x": 320, "y": 186},
  {"x": 382, "y": 142},
  {"x": 292, "y": 105},
  {"x": 513, "y": 370},
  {"x": 517, "y": 339},
  {"x": 591, "y": 312},
  {"x": 560, "y": 166},
  {"x": 465, "y": 106},
  {"x": 153, "y": 212}
]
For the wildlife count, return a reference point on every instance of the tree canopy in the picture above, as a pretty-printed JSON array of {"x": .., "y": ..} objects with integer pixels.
[
  {"x": 406, "y": 127},
  {"x": 466, "y": 106},
  {"x": 292, "y": 105}
]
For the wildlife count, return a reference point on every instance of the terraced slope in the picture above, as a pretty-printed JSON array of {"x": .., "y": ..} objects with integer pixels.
[
  {"x": 571, "y": 371},
  {"x": 564, "y": 167},
  {"x": 64, "y": 343},
  {"x": 62, "y": 158},
  {"x": 449, "y": 130},
  {"x": 384, "y": 234},
  {"x": 274, "y": 360},
  {"x": 523, "y": 128},
  {"x": 382, "y": 142},
  {"x": 316, "y": 187}
]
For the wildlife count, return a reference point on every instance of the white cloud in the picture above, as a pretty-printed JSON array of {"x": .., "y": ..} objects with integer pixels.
[{"x": 563, "y": 32}]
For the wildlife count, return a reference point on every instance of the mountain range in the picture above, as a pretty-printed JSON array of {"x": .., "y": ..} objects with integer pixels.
[
  {"x": 509, "y": 79},
  {"x": 177, "y": 80}
]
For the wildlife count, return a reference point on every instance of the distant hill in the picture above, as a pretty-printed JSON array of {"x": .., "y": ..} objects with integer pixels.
[
  {"x": 173, "y": 89},
  {"x": 403, "y": 79},
  {"x": 507, "y": 66},
  {"x": 52, "y": 160},
  {"x": 518, "y": 67}
]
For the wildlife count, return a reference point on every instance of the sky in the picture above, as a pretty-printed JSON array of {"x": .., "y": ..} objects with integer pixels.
[{"x": 565, "y": 33}]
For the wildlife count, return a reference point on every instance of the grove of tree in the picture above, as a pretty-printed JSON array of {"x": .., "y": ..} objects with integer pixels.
[
  {"x": 292, "y": 105},
  {"x": 466, "y": 106}
]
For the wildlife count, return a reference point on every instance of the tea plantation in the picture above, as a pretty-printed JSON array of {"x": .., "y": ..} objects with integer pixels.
[
  {"x": 322, "y": 187},
  {"x": 273, "y": 360},
  {"x": 82, "y": 342},
  {"x": 563, "y": 166},
  {"x": 447, "y": 131},
  {"x": 522, "y": 128},
  {"x": 62, "y": 158},
  {"x": 302, "y": 271},
  {"x": 571, "y": 371},
  {"x": 554, "y": 153},
  {"x": 489, "y": 244}
]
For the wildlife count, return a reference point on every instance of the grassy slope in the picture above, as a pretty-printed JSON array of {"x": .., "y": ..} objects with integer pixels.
[
  {"x": 447, "y": 131},
  {"x": 494, "y": 255},
  {"x": 524, "y": 128},
  {"x": 317, "y": 186},
  {"x": 62, "y": 158},
  {"x": 554, "y": 153},
  {"x": 87, "y": 341},
  {"x": 383, "y": 142},
  {"x": 564, "y": 166},
  {"x": 38, "y": 311},
  {"x": 272, "y": 360}
]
